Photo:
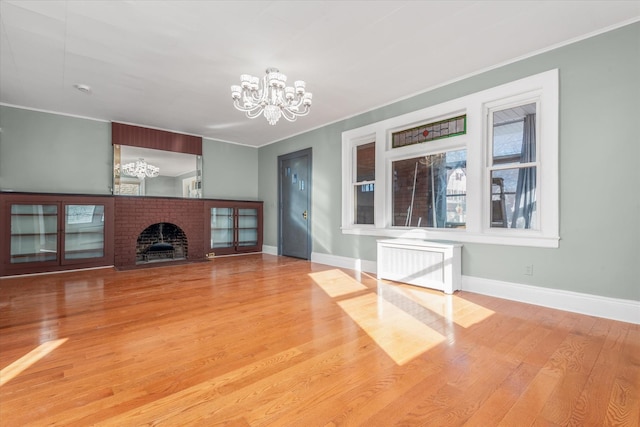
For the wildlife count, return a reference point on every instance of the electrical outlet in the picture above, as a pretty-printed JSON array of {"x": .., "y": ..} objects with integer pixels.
[{"x": 528, "y": 270}]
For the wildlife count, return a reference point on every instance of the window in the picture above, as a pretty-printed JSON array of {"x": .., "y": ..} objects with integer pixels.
[
  {"x": 513, "y": 167},
  {"x": 430, "y": 191},
  {"x": 428, "y": 132},
  {"x": 364, "y": 184},
  {"x": 482, "y": 168}
]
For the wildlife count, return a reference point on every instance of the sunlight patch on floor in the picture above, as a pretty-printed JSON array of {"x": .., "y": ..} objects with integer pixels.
[
  {"x": 337, "y": 283},
  {"x": 399, "y": 317},
  {"x": 16, "y": 368},
  {"x": 458, "y": 310},
  {"x": 398, "y": 333}
]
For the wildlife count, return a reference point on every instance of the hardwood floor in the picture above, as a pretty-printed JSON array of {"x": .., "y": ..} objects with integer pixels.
[{"x": 260, "y": 340}]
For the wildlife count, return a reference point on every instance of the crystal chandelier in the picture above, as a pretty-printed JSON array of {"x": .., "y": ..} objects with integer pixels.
[
  {"x": 140, "y": 169},
  {"x": 272, "y": 98}
]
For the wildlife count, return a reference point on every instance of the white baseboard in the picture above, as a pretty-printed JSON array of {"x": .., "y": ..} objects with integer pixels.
[
  {"x": 344, "y": 262},
  {"x": 271, "y": 250},
  {"x": 592, "y": 305}
]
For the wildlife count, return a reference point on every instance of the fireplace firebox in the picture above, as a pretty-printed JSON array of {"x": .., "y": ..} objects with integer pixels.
[{"x": 161, "y": 242}]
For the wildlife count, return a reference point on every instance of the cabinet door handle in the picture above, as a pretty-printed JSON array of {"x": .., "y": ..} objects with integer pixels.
[{"x": 304, "y": 214}]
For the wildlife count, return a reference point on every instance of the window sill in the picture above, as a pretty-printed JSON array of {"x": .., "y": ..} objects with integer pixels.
[{"x": 494, "y": 237}]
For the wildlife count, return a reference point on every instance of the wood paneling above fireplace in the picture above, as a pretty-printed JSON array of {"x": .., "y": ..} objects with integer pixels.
[{"x": 136, "y": 136}]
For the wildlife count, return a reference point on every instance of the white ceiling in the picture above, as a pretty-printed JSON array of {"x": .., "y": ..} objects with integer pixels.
[{"x": 169, "y": 64}]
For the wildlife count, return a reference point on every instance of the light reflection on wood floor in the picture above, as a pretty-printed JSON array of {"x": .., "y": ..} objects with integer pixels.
[{"x": 397, "y": 317}]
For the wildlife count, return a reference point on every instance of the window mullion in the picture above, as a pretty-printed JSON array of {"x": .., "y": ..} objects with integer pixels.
[{"x": 537, "y": 216}]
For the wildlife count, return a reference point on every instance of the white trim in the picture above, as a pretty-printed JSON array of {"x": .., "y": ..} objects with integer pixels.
[
  {"x": 349, "y": 159},
  {"x": 623, "y": 310},
  {"x": 543, "y": 87},
  {"x": 344, "y": 262},
  {"x": 224, "y": 141},
  {"x": 39, "y": 110},
  {"x": 533, "y": 239},
  {"x": 591, "y": 305},
  {"x": 271, "y": 250}
]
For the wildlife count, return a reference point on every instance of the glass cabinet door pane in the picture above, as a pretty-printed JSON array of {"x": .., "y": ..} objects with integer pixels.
[
  {"x": 221, "y": 227},
  {"x": 247, "y": 227},
  {"x": 34, "y": 233},
  {"x": 247, "y": 218},
  {"x": 84, "y": 231},
  {"x": 221, "y": 238},
  {"x": 247, "y": 237}
]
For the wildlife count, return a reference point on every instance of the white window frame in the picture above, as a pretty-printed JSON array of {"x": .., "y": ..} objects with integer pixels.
[
  {"x": 523, "y": 99},
  {"x": 541, "y": 88},
  {"x": 348, "y": 215},
  {"x": 356, "y": 185}
]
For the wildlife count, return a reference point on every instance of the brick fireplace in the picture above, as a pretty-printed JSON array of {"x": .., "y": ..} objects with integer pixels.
[
  {"x": 161, "y": 242},
  {"x": 134, "y": 215}
]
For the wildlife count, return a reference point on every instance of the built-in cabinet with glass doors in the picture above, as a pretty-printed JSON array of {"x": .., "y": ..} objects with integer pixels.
[
  {"x": 233, "y": 226},
  {"x": 49, "y": 233}
]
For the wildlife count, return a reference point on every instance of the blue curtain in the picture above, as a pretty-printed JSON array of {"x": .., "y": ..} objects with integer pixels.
[{"x": 525, "y": 203}]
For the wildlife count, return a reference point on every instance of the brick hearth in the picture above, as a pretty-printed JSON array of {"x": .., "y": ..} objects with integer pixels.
[{"x": 134, "y": 214}]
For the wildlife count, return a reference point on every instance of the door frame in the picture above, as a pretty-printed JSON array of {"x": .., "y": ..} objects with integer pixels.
[{"x": 300, "y": 153}]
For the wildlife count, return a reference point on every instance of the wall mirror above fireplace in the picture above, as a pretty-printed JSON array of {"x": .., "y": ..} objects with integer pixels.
[
  {"x": 155, "y": 163},
  {"x": 141, "y": 171}
]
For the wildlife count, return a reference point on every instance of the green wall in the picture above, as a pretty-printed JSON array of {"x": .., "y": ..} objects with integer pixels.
[
  {"x": 229, "y": 171},
  {"x": 599, "y": 250},
  {"x": 51, "y": 153}
]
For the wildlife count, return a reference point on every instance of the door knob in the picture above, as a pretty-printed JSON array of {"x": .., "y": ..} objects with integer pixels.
[{"x": 304, "y": 214}]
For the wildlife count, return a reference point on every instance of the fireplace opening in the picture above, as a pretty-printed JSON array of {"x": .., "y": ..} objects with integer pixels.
[{"x": 161, "y": 242}]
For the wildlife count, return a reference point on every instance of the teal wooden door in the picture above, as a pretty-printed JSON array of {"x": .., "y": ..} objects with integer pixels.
[{"x": 295, "y": 204}]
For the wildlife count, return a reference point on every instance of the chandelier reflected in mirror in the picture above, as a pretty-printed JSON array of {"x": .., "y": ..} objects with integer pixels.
[
  {"x": 271, "y": 97},
  {"x": 140, "y": 169}
]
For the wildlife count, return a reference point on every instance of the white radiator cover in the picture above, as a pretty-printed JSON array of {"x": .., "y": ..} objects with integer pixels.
[{"x": 435, "y": 265}]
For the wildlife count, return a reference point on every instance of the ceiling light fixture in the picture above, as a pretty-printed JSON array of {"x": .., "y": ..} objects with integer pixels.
[
  {"x": 273, "y": 98},
  {"x": 140, "y": 169}
]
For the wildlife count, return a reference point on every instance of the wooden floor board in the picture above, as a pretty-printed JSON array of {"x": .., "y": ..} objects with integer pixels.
[{"x": 261, "y": 340}]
